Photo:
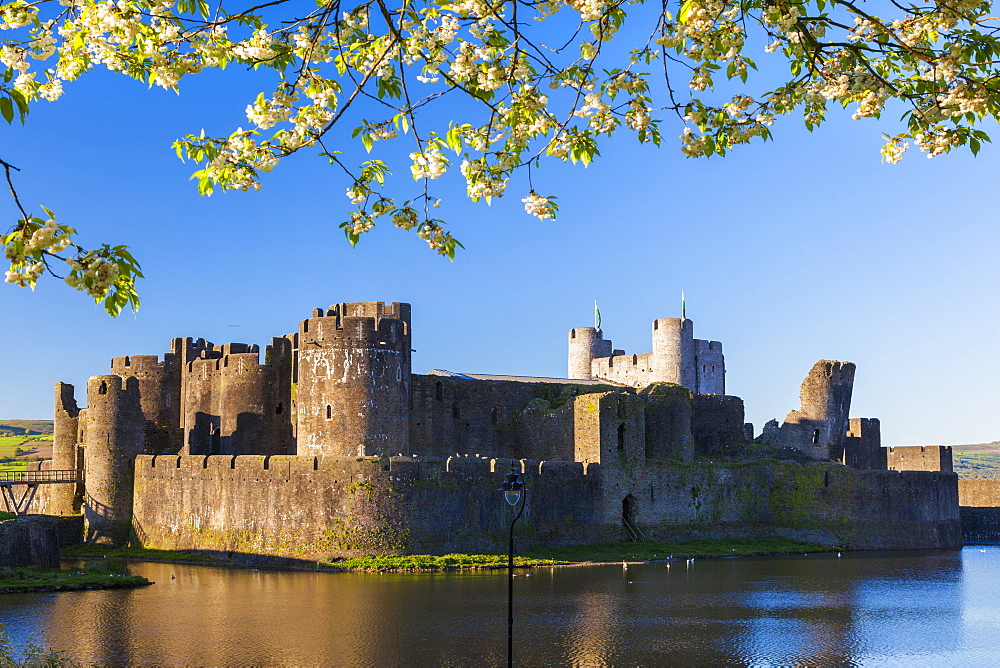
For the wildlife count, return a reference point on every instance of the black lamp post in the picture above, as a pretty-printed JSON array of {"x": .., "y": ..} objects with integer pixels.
[{"x": 513, "y": 493}]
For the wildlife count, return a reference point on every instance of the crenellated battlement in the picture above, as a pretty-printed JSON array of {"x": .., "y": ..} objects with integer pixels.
[
  {"x": 331, "y": 330},
  {"x": 140, "y": 366},
  {"x": 396, "y": 468},
  {"x": 187, "y": 349}
]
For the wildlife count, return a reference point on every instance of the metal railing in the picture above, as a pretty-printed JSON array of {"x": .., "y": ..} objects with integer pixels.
[{"x": 40, "y": 477}]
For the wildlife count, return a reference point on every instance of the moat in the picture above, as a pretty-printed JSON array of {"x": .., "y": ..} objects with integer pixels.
[{"x": 897, "y": 608}]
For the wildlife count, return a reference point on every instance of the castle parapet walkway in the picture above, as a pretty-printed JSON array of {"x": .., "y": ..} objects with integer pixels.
[{"x": 18, "y": 504}]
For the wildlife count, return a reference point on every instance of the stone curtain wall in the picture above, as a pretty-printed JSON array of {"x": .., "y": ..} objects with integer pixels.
[
  {"x": 316, "y": 508},
  {"x": 980, "y": 506},
  {"x": 493, "y": 418},
  {"x": 919, "y": 458},
  {"x": 979, "y": 493}
]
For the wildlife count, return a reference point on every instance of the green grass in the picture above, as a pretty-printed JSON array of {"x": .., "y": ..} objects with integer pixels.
[
  {"x": 93, "y": 551},
  {"x": 20, "y": 427},
  {"x": 981, "y": 460},
  {"x": 6, "y": 516},
  {"x": 13, "y": 466},
  {"x": 428, "y": 562},
  {"x": 570, "y": 554},
  {"x": 43, "y": 579},
  {"x": 10, "y": 444},
  {"x": 702, "y": 547}
]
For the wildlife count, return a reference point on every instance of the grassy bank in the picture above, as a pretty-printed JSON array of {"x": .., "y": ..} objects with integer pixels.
[
  {"x": 140, "y": 553},
  {"x": 577, "y": 554},
  {"x": 20, "y": 580},
  {"x": 429, "y": 562}
]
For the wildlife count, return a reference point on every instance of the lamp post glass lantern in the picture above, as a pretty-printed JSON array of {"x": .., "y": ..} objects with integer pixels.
[{"x": 513, "y": 493}]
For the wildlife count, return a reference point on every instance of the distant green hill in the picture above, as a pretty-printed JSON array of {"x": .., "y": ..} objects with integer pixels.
[
  {"x": 25, "y": 427},
  {"x": 977, "y": 460}
]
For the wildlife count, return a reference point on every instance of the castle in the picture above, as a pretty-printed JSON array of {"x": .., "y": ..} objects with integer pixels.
[{"x": 331, "y": 445}]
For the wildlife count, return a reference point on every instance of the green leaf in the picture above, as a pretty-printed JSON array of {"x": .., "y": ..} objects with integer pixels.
[
  {"x": 685, "y": 11},
  {"x": 7, "y": 109}
]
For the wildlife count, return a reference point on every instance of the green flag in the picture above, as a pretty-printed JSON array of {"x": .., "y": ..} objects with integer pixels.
[{"x": 597, "y": 316}]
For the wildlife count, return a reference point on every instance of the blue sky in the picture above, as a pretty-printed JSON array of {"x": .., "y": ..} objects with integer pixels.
[{"x": 804, "y": 248}]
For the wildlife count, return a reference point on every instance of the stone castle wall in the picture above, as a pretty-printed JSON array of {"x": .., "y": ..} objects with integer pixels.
[
  {"x": 677, "y": 358},
  {"x": 919, "y": 458},
  {"x": 318, "y": 507},
  {"x": 979, "y": 493},
  {"x": 493, "y": 418}
]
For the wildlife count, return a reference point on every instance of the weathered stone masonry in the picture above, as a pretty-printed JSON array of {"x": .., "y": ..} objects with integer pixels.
[
  {"x": 330, "y": 445},
  {"x": 314, "y": 507}
]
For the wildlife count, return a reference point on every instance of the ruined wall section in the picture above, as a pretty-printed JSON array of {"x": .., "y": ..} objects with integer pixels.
[
  {"x": 920, "y": 458},
  {"x": 65, "y": 499},
  {"x": 353, "y": 390},
  {"x": 863, "y": 445},
  {"x": 115, "y": 436},
  {"x": 668, "y": 411},
  {"x": 585, "y": 345},
  {"x": 710, "y": 367},
  {"x": 716, "y": 422},
  {"x": 819, "y": 426}
]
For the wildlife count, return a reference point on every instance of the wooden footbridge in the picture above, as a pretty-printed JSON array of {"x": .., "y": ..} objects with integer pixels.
[{"x": 18, "y": 501}]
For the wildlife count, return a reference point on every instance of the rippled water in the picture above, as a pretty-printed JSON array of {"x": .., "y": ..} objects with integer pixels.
[{"x": 940, "y": 608}]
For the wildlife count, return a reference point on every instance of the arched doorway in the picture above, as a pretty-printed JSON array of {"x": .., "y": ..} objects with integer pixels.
[{"x": 629, "y": 507}]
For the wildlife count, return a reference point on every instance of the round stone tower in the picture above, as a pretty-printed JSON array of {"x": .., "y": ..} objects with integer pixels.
[
  {"x": 353, "y": 391},
  {"x": 114, "y": 435},
  {"x": 673, "y": 352},
  {"x": 582, "y": 351}
]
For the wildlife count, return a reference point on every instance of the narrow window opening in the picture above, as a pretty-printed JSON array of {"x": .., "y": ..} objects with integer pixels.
[
  {"x": 439, "y": 391},
  {"x": 128, "y": 361},
  {"x": 826, "y": 479},
  {"x": 621, "y": 408},
  {"x": 456, "y": 412},
  {"x": 279, "y": 409},
  {"x": 816, "y": 436},
  {"x": 621, "y": 436},
  {"x": 635, "y": 360},
  {"x": 329, "y": 412},
  {"x": 103, "y": 389}
]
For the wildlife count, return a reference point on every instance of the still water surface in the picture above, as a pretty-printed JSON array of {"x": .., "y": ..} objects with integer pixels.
[{"x": 905, "y": 609}]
